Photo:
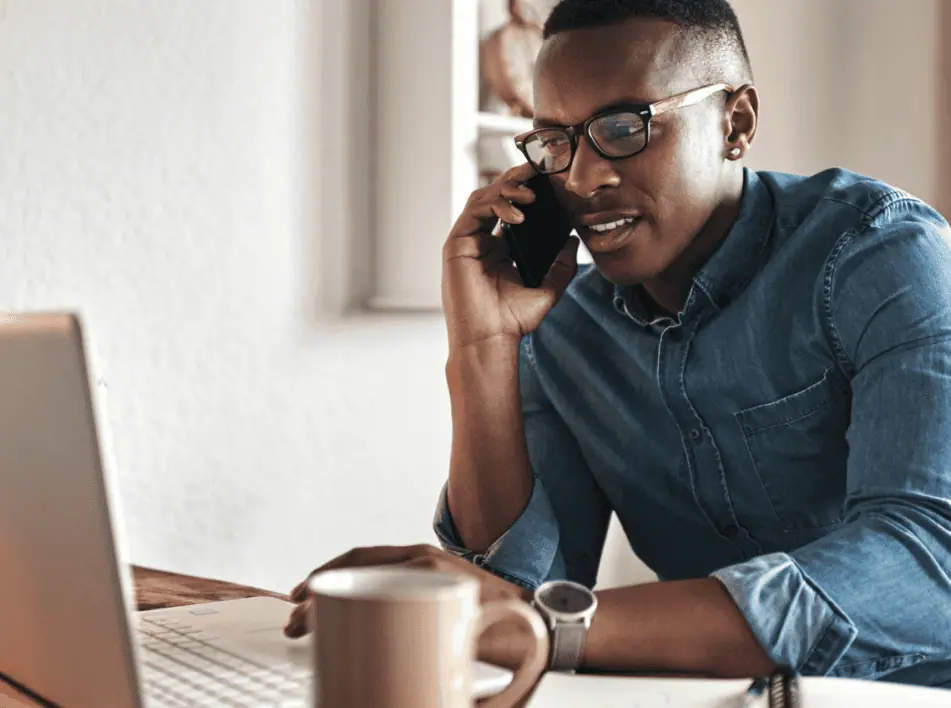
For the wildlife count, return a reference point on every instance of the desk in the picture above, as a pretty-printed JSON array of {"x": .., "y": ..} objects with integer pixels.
[
  {"x": 156, "y": 589},
  {"x": 557, "y": 691}
]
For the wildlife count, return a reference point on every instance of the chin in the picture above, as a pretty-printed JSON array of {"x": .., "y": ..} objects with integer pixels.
[{"x": 623, "y": 270}]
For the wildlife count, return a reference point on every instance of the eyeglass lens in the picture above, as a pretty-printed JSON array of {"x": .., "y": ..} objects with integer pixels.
[{"x": 619, "y": 135}]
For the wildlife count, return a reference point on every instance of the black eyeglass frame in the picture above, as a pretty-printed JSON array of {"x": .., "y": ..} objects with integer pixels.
[{"x": 645, "y": 111}]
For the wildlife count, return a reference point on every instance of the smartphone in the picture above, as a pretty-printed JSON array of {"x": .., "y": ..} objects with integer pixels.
[{"x": 534, "y": 244}]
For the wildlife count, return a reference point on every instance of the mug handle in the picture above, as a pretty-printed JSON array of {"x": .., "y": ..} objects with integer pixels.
[{"x": 526, "y": 676}]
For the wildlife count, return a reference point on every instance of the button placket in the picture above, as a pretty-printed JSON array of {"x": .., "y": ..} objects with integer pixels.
[
  {"x": 706, "y": 471},
  {"x": 671, "y": 351}
]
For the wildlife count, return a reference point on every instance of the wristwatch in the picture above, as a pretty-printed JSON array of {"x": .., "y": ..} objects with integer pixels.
[{"x": 567, "y": 607}]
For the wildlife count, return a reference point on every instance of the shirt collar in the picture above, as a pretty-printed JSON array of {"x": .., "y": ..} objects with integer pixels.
[
  {"x": 735, "y": 262},
  {"x": 739, "y": 258}
]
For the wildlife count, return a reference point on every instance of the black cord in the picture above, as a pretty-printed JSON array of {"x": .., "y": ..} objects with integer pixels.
[
  {"x": 8, "y": 680},
  {"x": 783, "y": 690}
]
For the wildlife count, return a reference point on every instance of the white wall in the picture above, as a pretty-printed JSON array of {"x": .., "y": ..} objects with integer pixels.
[
  {"x": 854, "y": 83},
  {"x": 153, "y": 175}
]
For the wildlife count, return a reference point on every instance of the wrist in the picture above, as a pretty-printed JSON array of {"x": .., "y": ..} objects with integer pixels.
[
  {"x": 567, "y": 608},
  {"x": 494, "y": 358},
  {"x": 489, "y": 346}
]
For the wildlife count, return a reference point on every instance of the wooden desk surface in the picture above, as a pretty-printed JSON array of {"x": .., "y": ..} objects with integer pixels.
[{"x": 155, "y": 589}]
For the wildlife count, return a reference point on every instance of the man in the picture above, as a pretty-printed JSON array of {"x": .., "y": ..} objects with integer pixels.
[{"x": 756, "y": 377}]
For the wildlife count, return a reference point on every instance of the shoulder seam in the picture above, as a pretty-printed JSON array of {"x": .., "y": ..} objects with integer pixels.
[
  {"x": 888, "y": 199},
  {"x": 842, "y": 358}
]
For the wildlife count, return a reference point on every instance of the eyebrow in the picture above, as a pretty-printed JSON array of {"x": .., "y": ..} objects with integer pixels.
[{"x": 548, "y": 123}]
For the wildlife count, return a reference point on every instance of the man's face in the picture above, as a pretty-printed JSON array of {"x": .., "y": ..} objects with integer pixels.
[{"x": 674, "y": 185}]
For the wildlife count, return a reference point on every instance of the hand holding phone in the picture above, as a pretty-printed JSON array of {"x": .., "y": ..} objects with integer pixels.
[
  {"x": 535, "y": 243},
  {"x": 484, "y": 294}
]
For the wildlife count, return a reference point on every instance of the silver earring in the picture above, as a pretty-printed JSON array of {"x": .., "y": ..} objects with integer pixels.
[{"x": 735, "y": 152}]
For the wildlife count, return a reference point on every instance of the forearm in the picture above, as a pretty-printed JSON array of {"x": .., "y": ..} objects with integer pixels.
[
  {"x": 690, "y": 626},
  {"x": 490, "y": 478},
  {"x": 683, "y": 627}
]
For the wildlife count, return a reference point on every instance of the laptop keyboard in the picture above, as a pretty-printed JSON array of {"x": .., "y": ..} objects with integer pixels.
[{"x": 185, "y": 668}]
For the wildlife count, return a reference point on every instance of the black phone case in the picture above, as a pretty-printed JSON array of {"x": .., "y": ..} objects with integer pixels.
[{"x": 534, "y": 244}]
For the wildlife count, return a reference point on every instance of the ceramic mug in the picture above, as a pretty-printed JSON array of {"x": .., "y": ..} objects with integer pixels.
[{"x": 393, "y": 637}]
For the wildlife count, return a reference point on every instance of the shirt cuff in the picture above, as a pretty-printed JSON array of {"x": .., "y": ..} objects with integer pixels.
[
  {"x": 524, "y": 554},
  {"x": 795, "y": 622}
]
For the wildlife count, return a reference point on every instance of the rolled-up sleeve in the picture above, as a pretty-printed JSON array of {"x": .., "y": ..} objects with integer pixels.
[
  {"x": 560, "y": 533},
  {"x": 874, "y": 595}
]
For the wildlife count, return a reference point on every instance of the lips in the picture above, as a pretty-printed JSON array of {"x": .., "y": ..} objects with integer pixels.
[
  {"x": 604, "y": 218},
  {"x": 611, "y": 225},
  {"x": 607, "y": 231},
  {"x": 609, "y": 240}
]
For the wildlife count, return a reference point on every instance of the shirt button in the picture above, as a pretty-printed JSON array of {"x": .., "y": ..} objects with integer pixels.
[{"x": 695, "y": 434}]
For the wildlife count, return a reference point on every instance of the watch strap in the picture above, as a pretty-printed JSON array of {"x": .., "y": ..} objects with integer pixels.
[{"x": 567, "y": 645}]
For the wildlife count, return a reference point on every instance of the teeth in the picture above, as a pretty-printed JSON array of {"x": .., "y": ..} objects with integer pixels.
[{"x": 601, "y": 228}]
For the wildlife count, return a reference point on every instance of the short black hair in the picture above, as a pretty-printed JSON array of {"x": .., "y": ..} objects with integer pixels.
[{"x": 710, "y": 24}]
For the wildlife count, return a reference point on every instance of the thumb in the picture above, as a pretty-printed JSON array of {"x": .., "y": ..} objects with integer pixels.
[{"x": 563, "y": 270}]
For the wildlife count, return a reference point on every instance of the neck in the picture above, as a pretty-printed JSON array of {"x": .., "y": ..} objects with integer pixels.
[{"x": 669, "y": 290}]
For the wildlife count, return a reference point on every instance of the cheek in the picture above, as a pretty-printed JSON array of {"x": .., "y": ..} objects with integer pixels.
[
  {"x": 687, "y": 169},
  {"x": 702, "y": 149}
]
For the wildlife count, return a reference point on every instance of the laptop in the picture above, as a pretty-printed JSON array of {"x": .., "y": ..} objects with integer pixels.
[{"x": 68, "y": 633}]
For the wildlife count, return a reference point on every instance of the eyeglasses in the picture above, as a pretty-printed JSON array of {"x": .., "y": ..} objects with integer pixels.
[{"x": 617, "y": 133}]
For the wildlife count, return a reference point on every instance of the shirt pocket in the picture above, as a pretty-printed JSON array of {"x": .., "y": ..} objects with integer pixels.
[{"x": 798, "y": 450}]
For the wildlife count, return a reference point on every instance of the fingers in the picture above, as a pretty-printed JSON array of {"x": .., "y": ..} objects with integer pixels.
[
  {"x": 494, "y": 201},
  {"x": 487, "y": 248},
  {"x": 376, "y": 555},
  {"x": 482, "y": 212},
  {"x": 564, "y": 268},
  {"x": 423, "y": 556},
  {"x": 299, "y": 593},
  {"x": 298, "y": 624},
  {"x": 518, "y": 193},
  {"x": 429, "y": 563},
  {"x": 506, "y": 211},
  {"x": 359, "y": 557},
  {"x": 519, "y": 173}
]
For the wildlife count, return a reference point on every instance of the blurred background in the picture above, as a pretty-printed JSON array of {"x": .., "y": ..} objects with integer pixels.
[{"x": 246, "y": 200}]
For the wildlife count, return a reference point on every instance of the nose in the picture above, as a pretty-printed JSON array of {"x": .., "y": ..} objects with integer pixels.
[{"x": 590, "y": 173}]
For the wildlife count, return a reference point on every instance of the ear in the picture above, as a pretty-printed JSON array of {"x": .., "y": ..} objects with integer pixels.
[{"x": 741, "y": 115}]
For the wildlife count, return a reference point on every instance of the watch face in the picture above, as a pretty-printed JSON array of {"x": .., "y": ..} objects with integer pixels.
[{"x": 566, "y": 599}]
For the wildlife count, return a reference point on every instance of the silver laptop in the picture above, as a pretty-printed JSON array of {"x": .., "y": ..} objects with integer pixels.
[{"x": 68, "y": 635}]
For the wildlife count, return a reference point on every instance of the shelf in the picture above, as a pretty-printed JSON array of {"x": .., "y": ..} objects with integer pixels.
[
  {"x": 425, "y": 139},
  {"x": 497, "y": 124},
  {"x": 428, "y": 157}
]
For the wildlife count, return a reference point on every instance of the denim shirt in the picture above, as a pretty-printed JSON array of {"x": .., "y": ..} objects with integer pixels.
[{"x": 788, "y": 432}]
